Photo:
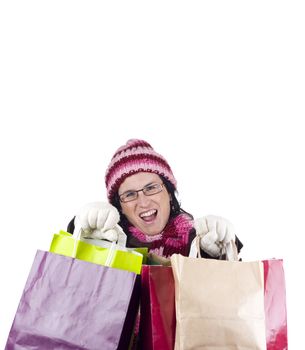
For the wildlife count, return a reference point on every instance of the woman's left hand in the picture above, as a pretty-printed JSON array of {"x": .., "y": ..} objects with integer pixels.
[{"x": 215, "y": 232}]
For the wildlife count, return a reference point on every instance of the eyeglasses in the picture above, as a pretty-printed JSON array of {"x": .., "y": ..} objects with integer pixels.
[{"x": 147, "y": 190}]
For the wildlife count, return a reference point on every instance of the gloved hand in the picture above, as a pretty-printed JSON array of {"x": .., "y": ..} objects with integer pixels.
[
  {"x": 99, "y": 220},
  {"x": 215, "y": 232}
]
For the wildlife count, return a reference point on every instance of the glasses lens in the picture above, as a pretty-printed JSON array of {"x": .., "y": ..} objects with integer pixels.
[
  {"x": 152, "y": 189},
  {"x": 148, "y": 190},
  {"x": 128, "y": 196}
]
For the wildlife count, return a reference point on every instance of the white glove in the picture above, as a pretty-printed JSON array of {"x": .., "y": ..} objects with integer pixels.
[
  {"x": 99, "y": 220},
  {"x": 216, "y": 232}
]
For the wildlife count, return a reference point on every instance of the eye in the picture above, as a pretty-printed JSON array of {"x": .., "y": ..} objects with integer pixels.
[
  {"x": 152, "y": 187},
  {"x": 129, "y": 194}
]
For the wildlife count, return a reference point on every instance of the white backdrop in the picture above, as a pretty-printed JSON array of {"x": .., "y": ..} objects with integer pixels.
[{"x": 217, "y": 87}]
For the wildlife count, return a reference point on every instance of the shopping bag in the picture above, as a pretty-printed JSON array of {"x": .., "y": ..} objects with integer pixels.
[
  {"x": 158, "y": 319},
  {"x": 219, "y": 304},
  {"x": 275, "y": 305},
  {"x": 98, "y": 251},
  {"x": 72, "y": 304}
]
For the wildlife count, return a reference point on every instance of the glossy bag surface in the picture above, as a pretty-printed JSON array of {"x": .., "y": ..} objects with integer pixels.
[
  {"x": 158, "y": 319},
  {"x": 65, "y": 244},
  {"x": 72, "y": 304},
  {"x": 275, "y": 305}
]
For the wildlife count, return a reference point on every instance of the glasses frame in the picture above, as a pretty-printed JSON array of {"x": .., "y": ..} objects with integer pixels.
[{"x": 141, "y": 190}]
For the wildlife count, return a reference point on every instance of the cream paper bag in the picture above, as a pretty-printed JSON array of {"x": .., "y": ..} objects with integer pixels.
[{"x": 219, "y": 304}]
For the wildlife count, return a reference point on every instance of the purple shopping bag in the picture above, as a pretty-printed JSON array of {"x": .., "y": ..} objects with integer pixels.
[{"x": 72, "y": 304}]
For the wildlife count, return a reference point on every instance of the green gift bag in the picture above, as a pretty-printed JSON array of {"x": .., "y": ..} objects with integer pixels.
[{"x": 98, "y": 252}]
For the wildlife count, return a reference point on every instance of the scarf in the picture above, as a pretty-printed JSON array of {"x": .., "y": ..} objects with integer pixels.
[{"x": 175, "y": 238}]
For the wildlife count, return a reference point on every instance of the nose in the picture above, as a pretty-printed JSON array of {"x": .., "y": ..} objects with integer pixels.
[{"x": 142, "y": 199}]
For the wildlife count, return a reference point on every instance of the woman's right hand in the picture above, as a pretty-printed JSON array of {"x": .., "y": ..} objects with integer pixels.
[{"x": 99, "y": 220}]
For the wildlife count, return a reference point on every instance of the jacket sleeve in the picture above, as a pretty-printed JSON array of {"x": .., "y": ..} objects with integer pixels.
[{"x": 71, "y": 226}]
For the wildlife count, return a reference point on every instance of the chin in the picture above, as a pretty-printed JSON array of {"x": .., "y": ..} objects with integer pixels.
[
  {"x": 150, "y": 230},
  {"x": 151, "y": 233}
]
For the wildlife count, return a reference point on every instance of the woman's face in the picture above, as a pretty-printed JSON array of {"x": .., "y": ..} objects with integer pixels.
[{"x": 149, "y": 214}]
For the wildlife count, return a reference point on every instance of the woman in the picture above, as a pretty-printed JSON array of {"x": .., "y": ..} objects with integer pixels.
[{"x": 141, "y": 190}]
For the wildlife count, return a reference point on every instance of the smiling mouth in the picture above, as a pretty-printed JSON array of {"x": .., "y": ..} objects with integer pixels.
[{"x": 149, "y": 215}]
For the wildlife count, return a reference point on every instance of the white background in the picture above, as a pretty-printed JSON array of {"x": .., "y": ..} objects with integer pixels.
[{"x": 217, "y": 87}]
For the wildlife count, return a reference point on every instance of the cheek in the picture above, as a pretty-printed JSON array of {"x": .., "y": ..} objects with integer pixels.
[
  {"x": 166, "y": 208},
  {"x": 124, "y": 209},
  {"x": 127, "y": 210}
]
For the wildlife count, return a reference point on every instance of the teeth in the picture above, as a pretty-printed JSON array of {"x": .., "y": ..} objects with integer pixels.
[{"x": 148, "y": 213}]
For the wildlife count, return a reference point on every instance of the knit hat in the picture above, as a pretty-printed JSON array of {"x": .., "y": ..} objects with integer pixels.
[{"x": 134, "y": 157}]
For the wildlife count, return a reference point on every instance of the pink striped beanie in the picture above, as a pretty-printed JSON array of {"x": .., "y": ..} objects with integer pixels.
[{"x": 134, "y": 157}]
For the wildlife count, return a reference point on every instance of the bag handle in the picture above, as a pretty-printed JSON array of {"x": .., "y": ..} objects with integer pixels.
[
  {"x": 112, "y": 246},
  {"x": 76, "y": 240},
  {"x": 121, "y": 241},
  {"x": 112, "y": 249},
  {"x": 228, "y": 249},
  {"x": 110, "y": 255}
]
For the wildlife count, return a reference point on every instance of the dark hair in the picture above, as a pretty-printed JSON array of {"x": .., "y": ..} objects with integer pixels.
[{"x": 175, "y": 208}]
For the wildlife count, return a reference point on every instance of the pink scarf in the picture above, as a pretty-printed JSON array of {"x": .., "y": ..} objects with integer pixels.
[{"x": 175, "y": 238}]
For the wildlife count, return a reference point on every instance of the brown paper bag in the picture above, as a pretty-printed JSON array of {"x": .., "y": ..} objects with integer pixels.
[{"x": 219, "y": 304}]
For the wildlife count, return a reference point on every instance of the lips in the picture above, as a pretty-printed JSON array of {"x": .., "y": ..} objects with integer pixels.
[{"x": 148, "y": 215}]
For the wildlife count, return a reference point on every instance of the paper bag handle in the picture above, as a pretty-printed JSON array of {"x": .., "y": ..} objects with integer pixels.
[
  {"x": 229, "y": 249},
  {"x": 112, "y": 246}
]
